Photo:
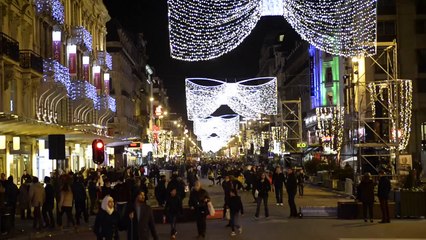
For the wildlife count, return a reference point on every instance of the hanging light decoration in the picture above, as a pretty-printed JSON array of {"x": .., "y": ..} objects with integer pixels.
[
  {"x": 82, "y": 37},
  {"x": 213, "y": 144},
  {"x": 83, "y": 89},
  {"x": 247, "y": 98},
  {"x": 330, "y": 126},
  {"x": 53, "y": 70},
  {"x": 397, "y": 95},
  {"x": 52, "y": 7},
  {"x": 105, "y": 59},
  {"x": 223, "y": 126},
  {"x": 279, "y": 136},
  {"x": 203, "y": 29}
]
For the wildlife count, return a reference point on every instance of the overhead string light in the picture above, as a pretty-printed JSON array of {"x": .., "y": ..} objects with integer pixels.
[
  {"x": 213, "y": 144},
  {"x": 248, "y": 98},
  {"x": 206, "y": 29}
]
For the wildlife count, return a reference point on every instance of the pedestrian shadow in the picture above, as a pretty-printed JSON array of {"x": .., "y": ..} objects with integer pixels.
[{"x": 354, "y": 225}]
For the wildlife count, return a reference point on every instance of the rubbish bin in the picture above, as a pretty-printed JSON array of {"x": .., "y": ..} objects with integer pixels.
[{"x": 349, "y": 186}]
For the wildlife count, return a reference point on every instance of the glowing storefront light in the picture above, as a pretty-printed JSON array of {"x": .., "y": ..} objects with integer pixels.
[
  {"x": 16, "y": 145},
  {"x": 247, "y": 98},
  {"x": 2, "y": 142}
]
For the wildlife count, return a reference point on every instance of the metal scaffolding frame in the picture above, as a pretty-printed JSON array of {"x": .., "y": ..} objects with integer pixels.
[
  {"x": 382, "y": 149},
  {"x": 291, "y": 118}
]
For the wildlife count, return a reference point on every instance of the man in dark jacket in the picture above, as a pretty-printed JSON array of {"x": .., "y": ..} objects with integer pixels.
[
  {"x": 228, "y": 185},
  {"x": 278, "y": 179},
  {"x": 262, "y": 188},
  {"x": 161, "y": 191},
  {"x": 172, "y": 210},
  {"x": 47, "y": 210},
  {"x": 198, "y": 200},
  {"x": 11, "y": 193},
  {"x": 93, "y": 192},
  {"x": 383, "y": 194},
  {"x": 366, "y": 196},
  {"x": 79, "y": 193},
  {"x": 142, "y": 223},
  {"x": 291, "y": 187}
]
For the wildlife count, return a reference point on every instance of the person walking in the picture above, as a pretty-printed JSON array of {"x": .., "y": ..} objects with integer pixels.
[
  {"x": 291, "y": 188},
  {"x": 172, "y": 210},
  {"x": 93, "y": 194},
  {"x": 160, "y": 191},
  {"x": 47, "y": 210},
  {"x": 278, "y": 184},
  {"x": 79, "y": 194},
  {"x": 106, "y": 222},
  {"x": 366, "y": 196},
  {"x": 198, "y": 199},
  {"x": 24, "y": 200},
  {"x": 383, "y": 195},
  {"x": 301, "y": 182},
  {"x": 37, "y": 198},
  {"x": 235, "y": 208},
  {"x": 227, "y": 186},
  {"x": 262, "y": 187},
  {"x": 65, "y": 204},
  {"x": 142, "y": 224},
  {"x": 11, "y": 192}
]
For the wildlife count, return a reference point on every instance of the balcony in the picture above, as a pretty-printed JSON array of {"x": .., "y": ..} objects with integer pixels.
[
  {"x": 31, "y": 60},
  {"x": 105, "y": 59},
  {"x": 107, "y": 103},
  {"x": 9, "y": 47},
  {"x": 81, "y": 89},
  {"x": 52, "y": 8},
  {"x": 56, "y": 72},
  {"x": 82, "y": 37}
]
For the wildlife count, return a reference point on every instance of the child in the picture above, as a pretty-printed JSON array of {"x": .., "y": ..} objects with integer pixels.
[
  {"x": 172, "y": 209},
  {"x": 235, "y": 207}
]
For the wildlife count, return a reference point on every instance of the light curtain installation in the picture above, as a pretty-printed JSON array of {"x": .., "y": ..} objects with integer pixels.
[
  {"x": 207, "y": 29},
  {"x": 248, "y": 98}
]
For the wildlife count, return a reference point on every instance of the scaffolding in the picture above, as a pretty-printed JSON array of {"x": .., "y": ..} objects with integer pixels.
[
  {"x": 381, "y": 121},
  {"x": 291, "y": 118}
]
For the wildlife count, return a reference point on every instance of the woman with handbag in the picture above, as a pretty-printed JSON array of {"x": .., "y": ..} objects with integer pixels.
[{"x": 198, "y": 201}]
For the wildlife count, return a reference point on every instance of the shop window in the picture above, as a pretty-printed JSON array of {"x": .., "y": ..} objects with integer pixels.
[
  {"x": 421, "y": 85},
  {"x": 386, "y": 7},
  {"x": 328, "y": 76},
  {"x": 386, "y": 30}
]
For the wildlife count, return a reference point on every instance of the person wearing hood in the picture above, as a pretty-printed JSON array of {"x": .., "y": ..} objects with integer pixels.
[
  {"x": 106, "y": 222},
  {"x": 12, "y": 192},
  {"x": 366, "y": 196},
  {"x": 142, "y": 223}
]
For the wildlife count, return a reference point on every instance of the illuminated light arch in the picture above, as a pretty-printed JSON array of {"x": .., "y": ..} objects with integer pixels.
[
  {"x": 246, "y": 98},
  {"x": 207, "y": 29}
]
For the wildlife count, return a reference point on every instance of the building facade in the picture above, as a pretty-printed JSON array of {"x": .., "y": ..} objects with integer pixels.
[{"x": 52, "y": 63}]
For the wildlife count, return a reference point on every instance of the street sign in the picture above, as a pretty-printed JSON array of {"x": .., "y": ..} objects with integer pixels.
[{"x": 302, "y": 145}]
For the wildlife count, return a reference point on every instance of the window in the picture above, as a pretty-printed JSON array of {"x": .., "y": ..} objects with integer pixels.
[
  {"x": 328, "y": 76},
  {"x": 421, "y": 26},
  {"x": 421, "y": 60},
  {"x": 386, "y": 30},
  {"x": 386, "y": 7},
  {"x": 421, "y": 6},
  {"x": 421, "y": 85}
]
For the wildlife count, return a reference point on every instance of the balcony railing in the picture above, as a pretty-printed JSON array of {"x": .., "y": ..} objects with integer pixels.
[
  {"x": 54, "y": 71},
  {"x": 31, "y": 60},
  {"x": 105, "y": 59},
  {"x": 9, "y": 47},
  {"x": 82, "y": 37},
  {"x": 107, "y": 102},
  {"x": 82, "y": 89}
]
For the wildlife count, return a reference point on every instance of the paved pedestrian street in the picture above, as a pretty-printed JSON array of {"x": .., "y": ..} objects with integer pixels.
[{"x": 277, "y": 226}]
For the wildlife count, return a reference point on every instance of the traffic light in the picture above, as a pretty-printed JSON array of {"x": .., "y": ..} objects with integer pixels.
[{"x": 98, "y": 150}]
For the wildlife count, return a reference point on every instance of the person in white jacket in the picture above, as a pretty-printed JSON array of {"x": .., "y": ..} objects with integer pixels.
[{"x": 37, "y": 197}]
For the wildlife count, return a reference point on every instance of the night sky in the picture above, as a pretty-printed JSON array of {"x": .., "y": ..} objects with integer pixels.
[{"x": 150, "y": 17}]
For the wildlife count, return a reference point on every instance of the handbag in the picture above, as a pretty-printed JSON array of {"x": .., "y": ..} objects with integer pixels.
[
  {"x": 211, "y": 208},
  {"x": 228, "y": 214},
  {"x": 256, "y": 193}
]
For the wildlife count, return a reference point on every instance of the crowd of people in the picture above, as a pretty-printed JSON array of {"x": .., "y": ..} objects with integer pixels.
[{"x": 118, "y": 197}]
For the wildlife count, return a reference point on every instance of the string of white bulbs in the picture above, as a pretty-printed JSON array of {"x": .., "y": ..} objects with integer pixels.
[{"x": 206, "y": 29}]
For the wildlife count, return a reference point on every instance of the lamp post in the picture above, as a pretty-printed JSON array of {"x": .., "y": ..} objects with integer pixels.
[{"x": 149, "y": 72}]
